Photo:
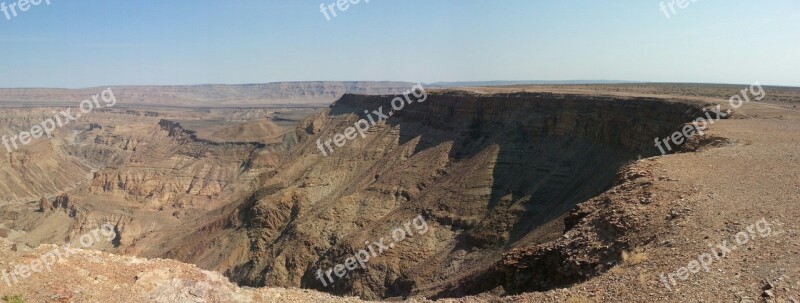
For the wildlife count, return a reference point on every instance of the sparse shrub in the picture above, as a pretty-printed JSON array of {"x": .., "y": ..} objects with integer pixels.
[
  {"x": 633, "y": 258},
  {"x": 578, "y": 299},
  {"x": 13, "y": 299}
]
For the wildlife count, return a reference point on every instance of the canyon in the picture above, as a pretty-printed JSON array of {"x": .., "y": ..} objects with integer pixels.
[{"x": 527, "y": 189}]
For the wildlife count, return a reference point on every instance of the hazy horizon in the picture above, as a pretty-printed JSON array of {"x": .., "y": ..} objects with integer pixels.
[
  {"x": 96, "y": 43},
  {"x": 440, "y": 84}
]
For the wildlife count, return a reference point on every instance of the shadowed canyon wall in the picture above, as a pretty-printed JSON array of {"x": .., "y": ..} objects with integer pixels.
[{"x": 490, "y": 173}]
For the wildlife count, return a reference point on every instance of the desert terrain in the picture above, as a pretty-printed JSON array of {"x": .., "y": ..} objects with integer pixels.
[{"x": 528, "y": 193}]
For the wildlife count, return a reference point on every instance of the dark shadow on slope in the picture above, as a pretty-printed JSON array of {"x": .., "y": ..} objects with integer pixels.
[{"x": 554, "y": 151}]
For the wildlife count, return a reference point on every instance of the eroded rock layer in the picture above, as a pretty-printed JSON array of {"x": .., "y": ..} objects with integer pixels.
[
  {"x": 492, "y": 177},
  {"x": 489, "y": 173}
]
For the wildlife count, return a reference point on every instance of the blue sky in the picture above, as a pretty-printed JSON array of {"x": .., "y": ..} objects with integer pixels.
[{"x": 92, "y": 42}]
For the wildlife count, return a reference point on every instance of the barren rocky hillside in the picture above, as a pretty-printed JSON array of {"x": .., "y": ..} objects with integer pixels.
[
  {"x": 489, "y": 172},
  {"x": 530, "y": 193}
]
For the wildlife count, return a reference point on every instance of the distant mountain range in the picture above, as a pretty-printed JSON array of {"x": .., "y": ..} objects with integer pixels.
[{"x": 316, "y": 93}]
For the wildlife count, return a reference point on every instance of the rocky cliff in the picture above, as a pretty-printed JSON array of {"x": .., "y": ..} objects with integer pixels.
[{"x": 490, "y": 173}]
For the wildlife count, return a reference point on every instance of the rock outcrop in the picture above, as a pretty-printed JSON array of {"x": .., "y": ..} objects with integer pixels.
[{"x": 489, "y": 173}]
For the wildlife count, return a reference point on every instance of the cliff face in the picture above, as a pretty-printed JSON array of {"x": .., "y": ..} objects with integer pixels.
[
  {"x": 630, "y": 124},
  {"x": 166, "y": 165},
  {"x": 39, "y": 168},
  {"x": 30, "y": 175},
  {"x": 489, "y": 173},
  {"x": 149, "y": 176}
]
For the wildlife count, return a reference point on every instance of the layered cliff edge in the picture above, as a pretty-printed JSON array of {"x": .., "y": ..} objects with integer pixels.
[{"x": 491, "y": 174}]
